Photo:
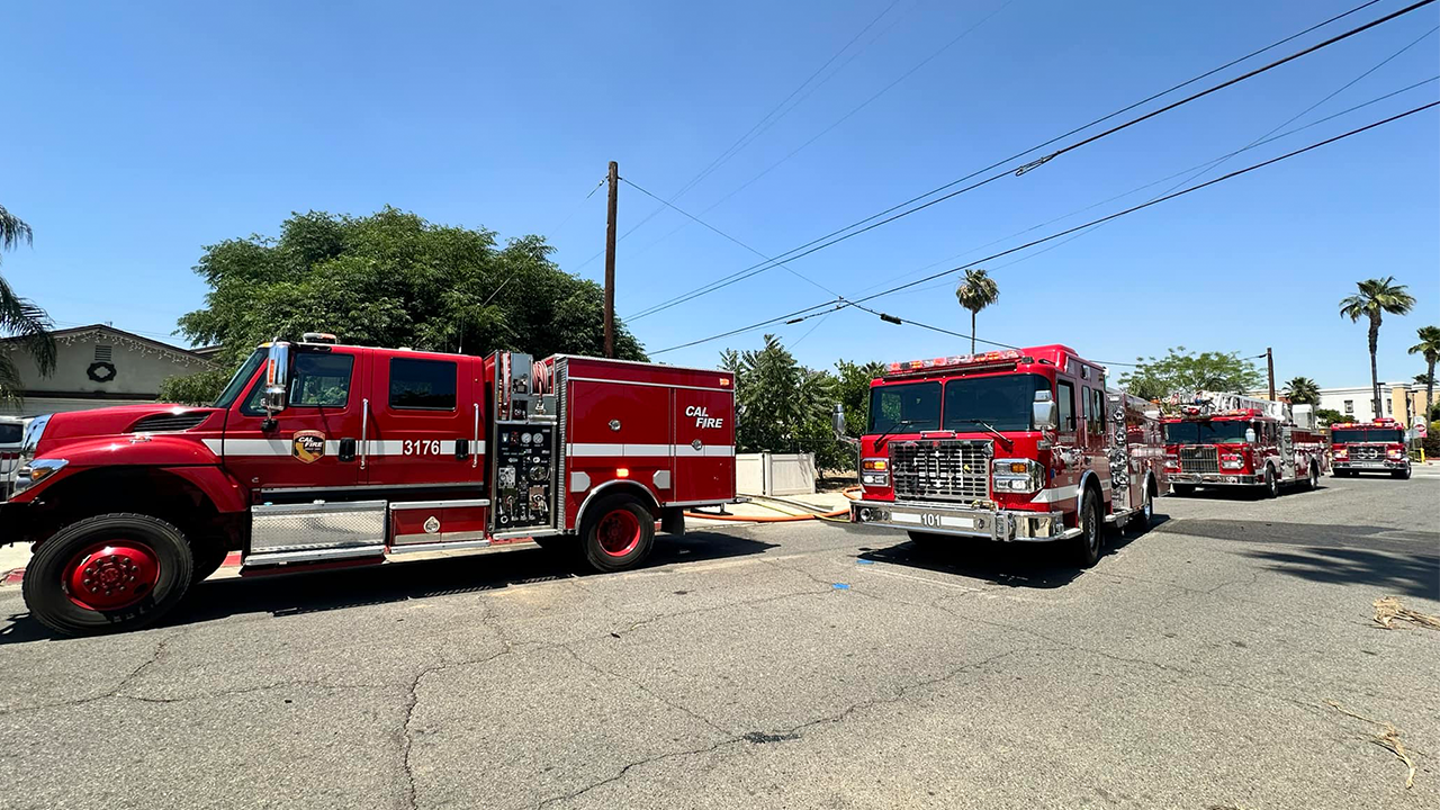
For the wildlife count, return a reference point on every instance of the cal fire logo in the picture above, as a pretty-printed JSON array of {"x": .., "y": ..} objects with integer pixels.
[
  {"x": 308, "y": 445},
  {"x": 703, "y": 419}
]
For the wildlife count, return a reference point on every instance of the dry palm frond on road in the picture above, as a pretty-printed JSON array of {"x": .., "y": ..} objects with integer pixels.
[
  {"x": 1389, "y": 739},
  {"x": 1388, "y": 609}
]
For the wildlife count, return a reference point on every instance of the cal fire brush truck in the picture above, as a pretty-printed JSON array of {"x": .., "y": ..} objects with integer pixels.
[
  {"x": 1227, "y": 440},
  {"x": 324, "y": 455},
  {"x": 1377, "y": 446},
  {"x": 1024, "y": 446}
]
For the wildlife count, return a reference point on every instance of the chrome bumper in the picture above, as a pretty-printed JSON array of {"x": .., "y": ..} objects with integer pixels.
[
  {"x": 1217, "y": 479},
  {"x": 1371, "y": 464},
  {"x": 1000, "y": 525}
]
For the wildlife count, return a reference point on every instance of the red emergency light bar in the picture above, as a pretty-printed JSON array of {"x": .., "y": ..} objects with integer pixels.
[{"x": 1008, "y": 355}]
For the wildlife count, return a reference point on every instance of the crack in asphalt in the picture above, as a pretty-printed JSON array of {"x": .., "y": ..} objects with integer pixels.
[
  {"x": 114, "y": 691},
  {"x": 647, "y": 690}
]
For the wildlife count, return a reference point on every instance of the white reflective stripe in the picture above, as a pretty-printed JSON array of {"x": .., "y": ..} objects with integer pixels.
[
  {"x": 1056, "y": 495},
  {"x": 284, "y": 447},
  {"x": 583, "y": 450},
  {"x": 953, "y": 521}
]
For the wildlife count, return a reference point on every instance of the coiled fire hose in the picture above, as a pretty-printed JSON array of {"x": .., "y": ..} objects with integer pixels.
[{"x": 786, "y": 517}]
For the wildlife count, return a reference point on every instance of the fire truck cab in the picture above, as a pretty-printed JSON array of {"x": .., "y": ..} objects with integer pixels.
[
  {"x": 322, "y": 455},
  {"x": 1011, "y": 446},
  {"x": 1228, "y": 440},
  {"x": 1377, "y": 446}
]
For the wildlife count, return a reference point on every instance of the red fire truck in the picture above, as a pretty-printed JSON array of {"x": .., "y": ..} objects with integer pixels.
[
  {"x": 1013, "y": 446},
  {"x": 325, "y": 455},
  {"x": 1228, "y": 440},
  {"x": 1377, "y": 446}
]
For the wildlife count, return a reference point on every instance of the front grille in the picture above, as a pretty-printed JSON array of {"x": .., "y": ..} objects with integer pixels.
[
  {"x": 946, "y": 469},
  {"x": 1367, "y": 453},
  {"x": 1199, "y": 460},
  {"x": 162, "y": 422}
]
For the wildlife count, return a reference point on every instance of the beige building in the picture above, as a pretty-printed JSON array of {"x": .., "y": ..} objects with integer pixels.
[{"x": 97, "y": 366}]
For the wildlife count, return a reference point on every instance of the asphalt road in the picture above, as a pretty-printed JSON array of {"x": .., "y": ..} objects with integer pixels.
[{"x": 775, "y": 667}]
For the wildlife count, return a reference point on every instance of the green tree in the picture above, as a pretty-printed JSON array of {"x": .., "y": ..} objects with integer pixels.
[
  {"x": 392, "y": 279},
  {"x": 784, "y": 407},
  {"x": 20, "y": 317},
  {"x": 1429, "y": 348},
  {"x": 852, "y": 390},
  {"x": 976, "y": 292},
  {"x": 1181, "y": 371},
  {"x": 1376, "y": 297},
  {"x": 1328, "y": 416},
  {"x": 1303, "y": 391}
]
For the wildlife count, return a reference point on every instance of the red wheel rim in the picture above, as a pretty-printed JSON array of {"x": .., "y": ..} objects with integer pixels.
[
  {"x": 111, "y": 576},
  {"x": 619, "y": 533}
]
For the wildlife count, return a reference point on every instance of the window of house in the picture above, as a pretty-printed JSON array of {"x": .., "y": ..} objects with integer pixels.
[
  {"x": 422, "y": 384},
  {"x": 1350, "y": 406}
]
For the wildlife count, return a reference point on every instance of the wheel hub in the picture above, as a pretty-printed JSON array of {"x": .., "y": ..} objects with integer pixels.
[
  {"x": 619, "y": 533},
  {"x": 110, "y": 576}
]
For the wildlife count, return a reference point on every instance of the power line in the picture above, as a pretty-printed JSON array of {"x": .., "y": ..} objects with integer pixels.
[
  {"x": 889, "y": 215},
  {"x": 788, "y": 268},
  {"x": 550, "y": 234},
  {"x": 841, "y": 303}
]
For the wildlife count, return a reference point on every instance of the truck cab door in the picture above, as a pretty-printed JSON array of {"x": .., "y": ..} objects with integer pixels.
[
  {"x": 311, "y": 443},
  {"x": 423, "y": 421}
]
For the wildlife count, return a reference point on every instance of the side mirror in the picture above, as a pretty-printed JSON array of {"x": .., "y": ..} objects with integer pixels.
[
  {"x": 277, "y": 378},
  {"x": 1250, "y": 435},
  {"x": 838, "y": 424},
  {"x": 1045, "y": 412}
]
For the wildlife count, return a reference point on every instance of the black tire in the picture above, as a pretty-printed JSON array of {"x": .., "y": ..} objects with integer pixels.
[
  {"x": 1401, "y": 474},
  {"x": 1141, "y": 522},
  {"x": 1312, "y": 482},
  {"x": 618, "y": 533},
  {"x": 1183, "y": 490},
  {"x": 1085, "y": 549},
  {"x": 208, "y": 557},
  {"x": 1340, "y": 473},
  {"x": 1272, "y": 483},
  {"x": 48, "y": 594}
]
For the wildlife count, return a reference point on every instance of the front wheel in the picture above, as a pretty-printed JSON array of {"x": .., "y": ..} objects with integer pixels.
[
  {"x": 929, "y": 542},
  {"x": 1313, "y": 482},
  {"x": 1401, "y": 474},
  {"x": 1272, "y": 484},
  {"x": 618, "y": 533},
  {"x": 1142, "y": 521},
  {"x": 1086, "y": 549},
  {"x": 107, "y": 573}
]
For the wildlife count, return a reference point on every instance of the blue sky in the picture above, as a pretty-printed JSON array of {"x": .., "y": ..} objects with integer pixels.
[{"x": 137, "y": 133}]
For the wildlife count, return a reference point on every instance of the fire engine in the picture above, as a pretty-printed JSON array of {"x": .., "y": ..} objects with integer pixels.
[
  {"x": 1227, "y": 440},
  {"x": 325, "y": 455},
  {"x": 1377, "y": 446},
  {"x": 1012, "y": 446}
]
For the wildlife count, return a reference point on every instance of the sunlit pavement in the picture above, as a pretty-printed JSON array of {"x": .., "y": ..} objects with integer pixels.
[{"x": 795, "y": 665}]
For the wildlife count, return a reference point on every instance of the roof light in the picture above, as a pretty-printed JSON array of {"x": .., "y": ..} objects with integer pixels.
[{"x": 1006, "y": 355}]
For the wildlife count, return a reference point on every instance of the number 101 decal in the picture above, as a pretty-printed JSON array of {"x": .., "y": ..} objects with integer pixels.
[
  {"x": 930, "y": 520},
  {"x": 420, "y": 447}
]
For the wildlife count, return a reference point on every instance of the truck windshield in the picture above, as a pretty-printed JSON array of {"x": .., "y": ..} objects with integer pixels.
[
  {"x": 241, "y": 379},
  {"x": 1005, "y": 402},
  {"x": 1348, "y": 435},
  {"x": 917, "y": 404},
  {"x": 1219, "y": 432}
]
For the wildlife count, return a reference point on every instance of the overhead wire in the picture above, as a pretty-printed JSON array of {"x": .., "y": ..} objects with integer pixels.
[
  {"x": 843, "y": 303},
  {"x": 909, "y": 206}
]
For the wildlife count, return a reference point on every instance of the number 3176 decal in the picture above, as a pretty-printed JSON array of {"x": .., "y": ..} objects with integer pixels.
[{"x": 421, "y": 447}]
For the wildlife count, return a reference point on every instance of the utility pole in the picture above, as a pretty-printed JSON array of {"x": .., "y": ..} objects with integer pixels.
[
  {"x": 1270, "y": 371},
  {"x": 610, "y": 260}
]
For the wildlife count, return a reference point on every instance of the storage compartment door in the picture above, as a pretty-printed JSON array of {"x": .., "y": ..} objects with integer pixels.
[{"x": 704, "y": 445}]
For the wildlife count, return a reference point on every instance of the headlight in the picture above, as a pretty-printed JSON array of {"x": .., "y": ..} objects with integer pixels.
[
  {"x": 1395, "y": 454},
  {"x": 37, "y": 471},
  {"x": 1342, "y": 452},
  {"x": 1017, "y": 475},
  {"x": 875, "y": 472},
  {"x": 1231, "y": 461}
]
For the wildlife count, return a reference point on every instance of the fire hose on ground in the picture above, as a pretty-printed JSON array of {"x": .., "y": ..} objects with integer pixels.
[{"x": 786, "y": 517}]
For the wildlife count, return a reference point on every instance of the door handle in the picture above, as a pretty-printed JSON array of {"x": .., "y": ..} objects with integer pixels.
[
  {"x": 462, "y": 449},
  {"x": 347, "y": 449}
]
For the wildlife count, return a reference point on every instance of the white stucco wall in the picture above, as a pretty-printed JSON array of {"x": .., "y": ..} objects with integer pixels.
[{"x": 140, "y": 367}]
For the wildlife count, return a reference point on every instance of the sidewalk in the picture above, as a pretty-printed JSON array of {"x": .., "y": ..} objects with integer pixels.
[{"x": 14, "y": 558}]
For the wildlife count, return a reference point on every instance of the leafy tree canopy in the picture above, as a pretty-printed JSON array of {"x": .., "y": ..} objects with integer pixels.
[
  {"x": 1182, "y": 371},
  {"x": 392, "y": 279}
]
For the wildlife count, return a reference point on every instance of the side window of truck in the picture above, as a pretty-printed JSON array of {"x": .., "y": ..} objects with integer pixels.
[
  {"x": 1065, "y": 393},
  {"x": 1097, "y": 412},
  {"x": 427, "y": 385},
  {"x": 316, "y": 381}
]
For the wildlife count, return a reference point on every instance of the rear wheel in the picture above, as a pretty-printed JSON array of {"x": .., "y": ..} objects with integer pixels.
[
  {"x": 1086, "y": 548},
  {"x": 618, "y": 533},
  {"x": 107, "y": 573},
  {"x": 1183, "y": 490}
]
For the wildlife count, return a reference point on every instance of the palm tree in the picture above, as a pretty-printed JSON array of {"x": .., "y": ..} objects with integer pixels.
[
  {"x": 19, "y": 317},
  {"x": 975, "y": 293},
  {"x": 1429, "y": 348},
  {"x": 1376, "y": 297},
  {"x": 1303, "y": 391}
]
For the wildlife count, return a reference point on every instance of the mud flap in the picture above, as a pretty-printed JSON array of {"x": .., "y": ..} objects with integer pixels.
[{"x": 672, "y": 520}]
